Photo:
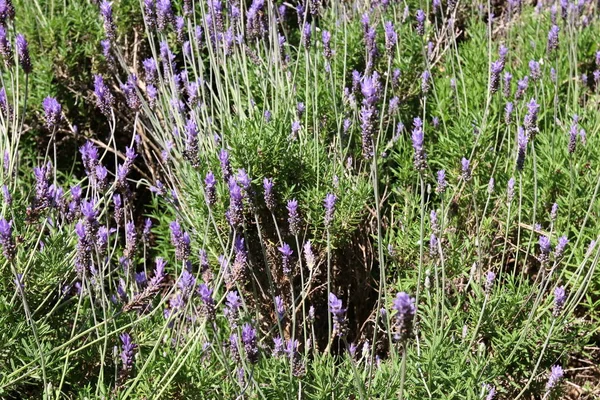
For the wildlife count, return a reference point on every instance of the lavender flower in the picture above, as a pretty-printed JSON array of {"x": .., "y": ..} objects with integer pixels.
[
  {"x": 545, "y": 248},
  {"x": 23, "y": 53},
  {"x": 164, "y": 14},
  {"x": 5, "y": 48},
  {"x": 326, "y": 38},
  {"x": 150, "y": 13},
  {"x": 130, "y": 91},
  {"x": 83, "y": 251},
  {"x": 286, "y": 256},
  {"x": 522, "y": 141},
  {"x": 225, "y": 164},
  {"x": 530, "y": 120},
  {"x": 433, "y": 245},
  {"x": 104, "y": 98},
  {"x": 506, "y": 86},
  {"x": 465, "y": 169},
  {"x": 210, "y": 188},
  {"x": 491, "y": 392},
  {"x": 7, "y": 11},
  {"x": 560, "y": 247},
  {"x": 404, "y": 305},
  {"x": 391, "y": 38},
  {"x": 127, "y": 353},
  {"x": 6, "y": 239},
  {"x": 180, "y": 240},
  {"x": 508, "y": 110},
  {"x": 418, "y": 137},
  {"x": 554, "y": 212},
  {"x": 329, "y": 202},
  {"x": 340, "y": 324},
  {"x": 521, "y": 87},
  {"x": 6, "y": 195},
  {"x": 573, "y": 137},
  {"x": 495, "y": 71},
  {"x": 269, "y": 196},
  {"x": 535, "y": 70},
  {"x": 556, "y": 374},
  {"x": 233, "y": 303},
  {"x": 309, "y": 256},
  {"x": 489, "y": 281},
  {"x": 279, "y": 307},
  {"x": 250, "y": 343},
  {"x": 491, "y": 185},
  {"x": 52, "y": 112},
  {"x": 420, "y": 28},
  {"x": 107, "y": 18},
  {"x": 560, "y": 296},
  {"x": 293, "y": 217},
  {"x": 130, "y": 239},
  {"x": 510, "y": 191},
  {"x": 208, "y": 303},
  {"x": 306, "y": 32},
  {"x": 426, "y": 81},
  {"x": 441, "y": 182},
  {"x": 553, "y": 38},
  {"x": 235, "y": 213}
]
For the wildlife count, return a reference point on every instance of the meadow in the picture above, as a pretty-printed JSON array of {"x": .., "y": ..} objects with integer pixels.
[{"x": 299, "y": 200}]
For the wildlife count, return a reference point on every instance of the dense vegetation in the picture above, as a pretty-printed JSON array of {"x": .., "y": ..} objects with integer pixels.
[{"x": 206, "y": 199}]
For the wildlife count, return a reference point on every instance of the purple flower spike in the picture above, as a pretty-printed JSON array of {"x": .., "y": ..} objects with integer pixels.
[
  {"x": 522, "y": 141},
  {"x": 104, "y": 98},
  {"x": 279, "y": 307},
  {"x": 535, "y": 70},
  {"x": 338, "y": 312},
  {"x": 250, "y": 343},
  {"x": 5, "y": 48},
  {"x": 286, "y": 257},
  {"x": 235, "y": 213},
  {"x": 495, "y": 71},
  {"x": 6, "y": 239},
  {"x": 506, "y": 86},
  {"x": 52, "y": 112},
  {"x": 426, "y": 81},
  {"x": 329, "y": 202},
  {"x": 107, "y": 17},
  {"x": 554, "y": 212},
  {"x": 269, "y": 195},
  {"x": 465, "y": 169},
  {"x": 391, "y": 38},
  {"x": 306, "y": 32},
  {"x": 553, "y": 38},
  {"x": 420, "y": 16},
  {"x": 128, "y": 352},
  {"x": 130, "y": 91},
  {"x": 560, "y": 296},
  {"x": 23, "y": 53},
  {"x": 545, "y": 248},
  {"x": 521, "y": 87},
  {"x": 210, "y": 188},
  {"x": 404, "y": 305},
  {"x": 489, "y": 281},
  {"x": 560, "y": 247},
  {"x": 508, "y": 110},
  {"x": 530, "y": 120},
  {"x": 510, "y": 191},
  {"x": 556, "y": 374},
  {"x": 180, "y": 240},
  {"x": 441, "y": 181},
  {"x": 418, "y": 137},
  {"x": 293, "y": 217}
]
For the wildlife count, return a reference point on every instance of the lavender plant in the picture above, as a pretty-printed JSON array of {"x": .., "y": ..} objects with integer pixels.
[{"x": 259, "y": 227}]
